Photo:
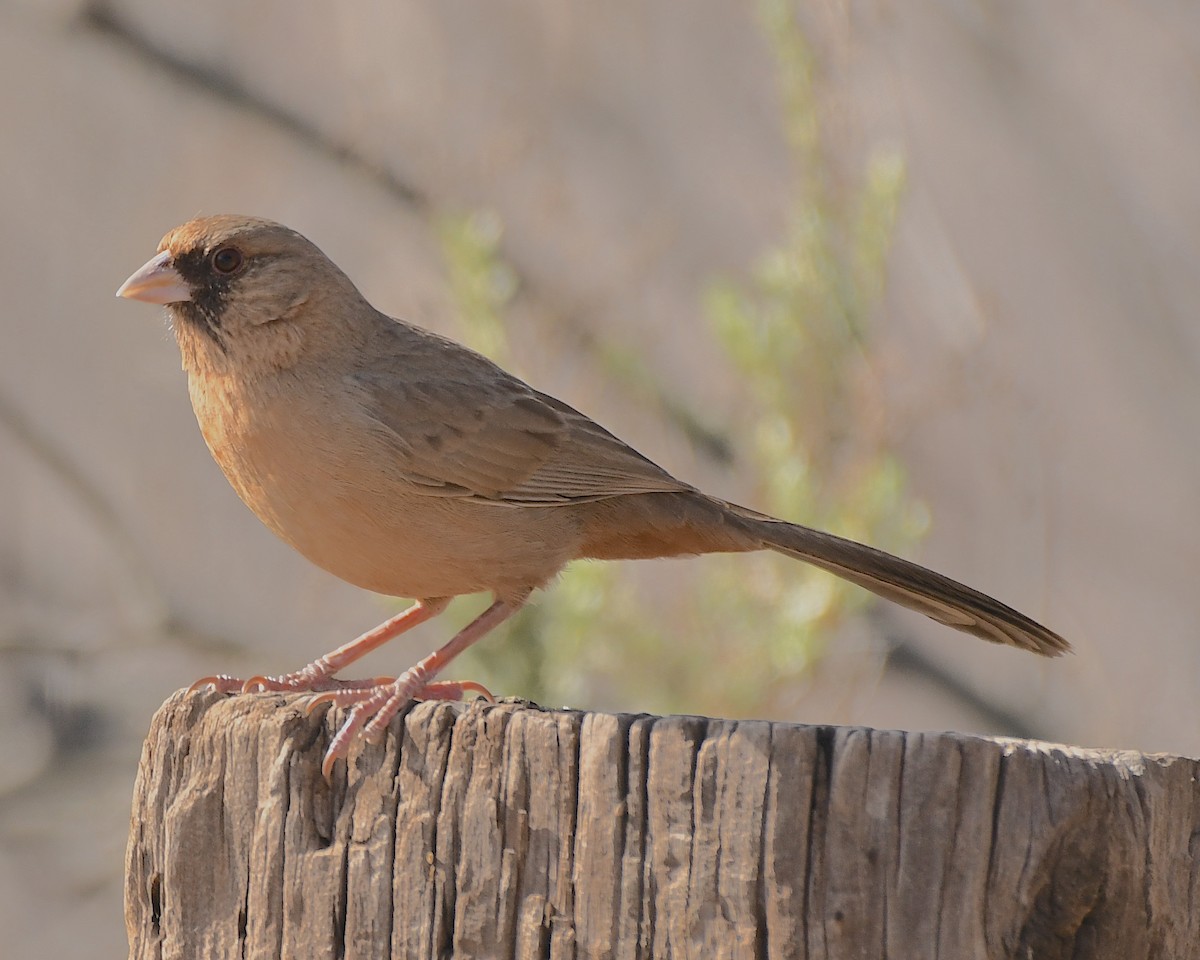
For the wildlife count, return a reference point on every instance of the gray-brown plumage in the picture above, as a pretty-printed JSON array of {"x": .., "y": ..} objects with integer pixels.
[{"x": 410, "y": 465}]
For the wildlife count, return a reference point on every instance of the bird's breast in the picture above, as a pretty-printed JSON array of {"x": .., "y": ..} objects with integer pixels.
[{"x": 334, "y": 490}]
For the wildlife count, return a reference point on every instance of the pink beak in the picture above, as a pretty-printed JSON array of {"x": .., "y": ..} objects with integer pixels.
[{"x": 156, "y": 281}]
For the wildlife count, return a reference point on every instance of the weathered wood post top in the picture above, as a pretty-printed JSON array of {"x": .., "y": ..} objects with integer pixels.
[{"x": 511, "y": 831}]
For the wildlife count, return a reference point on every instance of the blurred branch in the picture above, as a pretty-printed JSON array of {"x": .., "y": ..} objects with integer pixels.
[
  {"x": 102, "y": 19},
  {"x": 903, "y": 656},
  {"x": 139, "y": 581}
]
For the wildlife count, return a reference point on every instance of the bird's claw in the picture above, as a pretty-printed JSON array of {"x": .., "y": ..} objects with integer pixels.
[
  {"x": 307, "y": 680},
  {"x": 302, "y": 681},
  {"x": 453, "y": 690},
  {"x": 374, "y": 700},
  {"x": 373, "y": 708},
  {"x": 221, "y": 683}
]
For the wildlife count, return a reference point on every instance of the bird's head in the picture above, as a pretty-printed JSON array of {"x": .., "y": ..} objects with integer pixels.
[{"x": 244, "y": 293}]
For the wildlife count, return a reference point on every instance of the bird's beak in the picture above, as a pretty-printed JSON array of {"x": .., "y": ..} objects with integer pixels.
[{"x": 156, "y": 281}]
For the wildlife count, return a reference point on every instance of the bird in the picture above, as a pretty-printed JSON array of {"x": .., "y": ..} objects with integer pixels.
[{"x": 410, "y": 465}]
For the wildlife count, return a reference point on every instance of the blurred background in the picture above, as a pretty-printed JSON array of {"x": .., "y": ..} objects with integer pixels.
[{"x": 924, "y": 274}]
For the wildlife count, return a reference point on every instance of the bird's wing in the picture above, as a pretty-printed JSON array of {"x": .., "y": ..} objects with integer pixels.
[{"x": 462, "y": 427}]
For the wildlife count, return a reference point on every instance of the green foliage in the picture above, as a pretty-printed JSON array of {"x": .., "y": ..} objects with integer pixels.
[
  {"x": 480, "y": 282},
  {"x": 740, "y": 630},
  {"x": 796, "y": 333}
]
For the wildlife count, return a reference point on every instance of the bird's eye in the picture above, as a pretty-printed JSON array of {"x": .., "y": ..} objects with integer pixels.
[{"x": 228, "y": 260}]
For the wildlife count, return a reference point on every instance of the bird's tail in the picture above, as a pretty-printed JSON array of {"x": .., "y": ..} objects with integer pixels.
[{"x": 902, "y": 582}]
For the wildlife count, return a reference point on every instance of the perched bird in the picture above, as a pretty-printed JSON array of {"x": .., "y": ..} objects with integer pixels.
[{"x": 410, "y": 465}]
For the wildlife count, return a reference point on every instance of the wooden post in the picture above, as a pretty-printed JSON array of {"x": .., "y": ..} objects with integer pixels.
[{"x": 512, "y": 831}]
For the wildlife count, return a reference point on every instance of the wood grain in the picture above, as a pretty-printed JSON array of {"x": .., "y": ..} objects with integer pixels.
[{"x": 516, "y": 832}]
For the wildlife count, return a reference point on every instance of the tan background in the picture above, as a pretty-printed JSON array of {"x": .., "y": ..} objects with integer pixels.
[{"x": 1039, "y": 336}]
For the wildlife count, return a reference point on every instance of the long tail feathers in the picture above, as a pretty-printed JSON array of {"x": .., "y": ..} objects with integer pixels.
[{"x": 905, "y": 583}]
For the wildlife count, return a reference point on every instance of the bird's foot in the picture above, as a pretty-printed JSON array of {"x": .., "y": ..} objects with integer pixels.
[
  {"x": 317, "y": 677},
  {"x": 359, "y": 691},
  {"x": 373, "y": 707},
  {"x": 340, "y": 693}
]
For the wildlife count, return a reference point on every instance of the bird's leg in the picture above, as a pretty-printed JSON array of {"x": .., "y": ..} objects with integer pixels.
[
  {"x": 319, "y": 675},
  {"x": 371, "y": 714}
]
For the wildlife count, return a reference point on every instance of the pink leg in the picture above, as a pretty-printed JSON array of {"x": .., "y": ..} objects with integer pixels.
[
  {"x": 318, "y": 675},
  {"x": 372, "y": 714}
]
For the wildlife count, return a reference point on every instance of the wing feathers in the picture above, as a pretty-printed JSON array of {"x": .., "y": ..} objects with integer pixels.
[{"x": 488, "y": 436}]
